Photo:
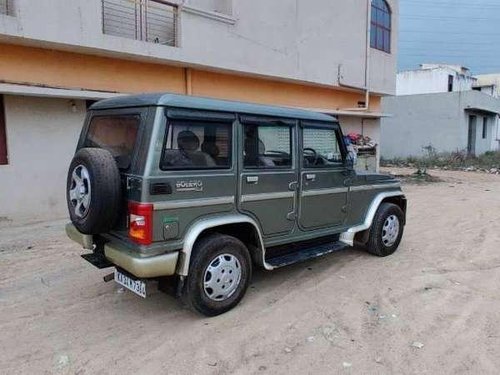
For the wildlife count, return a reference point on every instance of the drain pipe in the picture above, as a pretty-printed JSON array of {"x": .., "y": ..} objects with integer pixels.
[
  {"x": 368, "y": 51},
  {"x": 188, "y": 81},
  {"x": 366, "y": 88}
]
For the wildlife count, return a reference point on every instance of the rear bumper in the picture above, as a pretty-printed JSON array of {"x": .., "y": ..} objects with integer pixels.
[
  {"x": 139, "y": 266},
  {"x": 156, "y": 266},
  {"x": 83, "y": 239}
]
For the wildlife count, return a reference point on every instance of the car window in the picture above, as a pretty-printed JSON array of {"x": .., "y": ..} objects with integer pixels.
[
  {"x": 117, "y": 134},
  {"x": 197, "y": 145},
  {"x": 321, "y": 148},
  {"x": 267, "y": 146}
]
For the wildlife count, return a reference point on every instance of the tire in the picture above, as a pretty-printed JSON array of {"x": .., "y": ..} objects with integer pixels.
[
  {"x": 206, "y": 252},
  {"x": 97, "y": 186},
  {"x": 383, "y": 239}
]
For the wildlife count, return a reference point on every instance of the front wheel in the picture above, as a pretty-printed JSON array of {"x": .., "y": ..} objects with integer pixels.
[
  {"x": 219, "y": 273},
  {"x": 386, "y": 230}
]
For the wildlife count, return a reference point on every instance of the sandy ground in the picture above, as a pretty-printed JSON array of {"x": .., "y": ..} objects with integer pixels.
[{"x": 346, "y": 313}]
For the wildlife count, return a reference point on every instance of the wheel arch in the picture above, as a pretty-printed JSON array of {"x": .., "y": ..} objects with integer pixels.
[
  {"x": 396, "y": 197},
  {"x": 399, "y": 201},
  {"x": 239, "y": 226}
]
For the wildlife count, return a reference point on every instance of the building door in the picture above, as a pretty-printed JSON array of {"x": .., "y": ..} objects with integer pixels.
[
  {"x": 323, "y": 178},
  {"x": 471, "y": 141},
  {"x": 268, "y": 177}
]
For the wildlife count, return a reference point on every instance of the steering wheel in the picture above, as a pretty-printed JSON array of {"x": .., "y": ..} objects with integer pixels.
[
  {"x": 313, "y": 155},
  {"x": 277, "y": 153}
]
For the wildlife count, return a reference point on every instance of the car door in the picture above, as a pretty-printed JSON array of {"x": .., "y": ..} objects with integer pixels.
[
  {"x": 268, "y": 173},
  {"x": 323, "y": 177},
  {"x": 194, "y": 173}
]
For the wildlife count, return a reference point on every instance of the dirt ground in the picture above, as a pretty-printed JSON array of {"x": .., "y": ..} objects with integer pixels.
[{"x": 345, "y": 313}]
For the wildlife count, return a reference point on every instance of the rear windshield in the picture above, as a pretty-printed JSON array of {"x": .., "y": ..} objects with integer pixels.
[{"x": 117, "y": 134}]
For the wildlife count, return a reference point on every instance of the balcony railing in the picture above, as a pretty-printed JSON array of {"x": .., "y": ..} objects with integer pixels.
[
  {"x": 6, "y": 7},
  {"x": 153, "y": 21}
]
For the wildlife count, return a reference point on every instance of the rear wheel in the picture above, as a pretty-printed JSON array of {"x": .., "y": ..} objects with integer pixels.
[
  {"x": 219, "y": 273},
  {"x": 386, "y": 230}
]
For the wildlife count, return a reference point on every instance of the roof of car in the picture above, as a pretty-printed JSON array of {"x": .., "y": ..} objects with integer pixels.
[{"x": 208, "y": 104}]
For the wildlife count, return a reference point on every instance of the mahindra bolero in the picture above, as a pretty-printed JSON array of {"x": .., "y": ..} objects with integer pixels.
[{"x": 200, "y": 192}]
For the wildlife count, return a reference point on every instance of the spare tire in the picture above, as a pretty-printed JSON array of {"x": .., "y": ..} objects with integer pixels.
[{"x": 93, "y": 190}]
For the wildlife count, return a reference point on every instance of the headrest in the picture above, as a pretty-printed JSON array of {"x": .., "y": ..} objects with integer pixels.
[{"x": 188, "y": 141}]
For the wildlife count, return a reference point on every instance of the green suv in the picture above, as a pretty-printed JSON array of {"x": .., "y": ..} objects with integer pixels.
[{"x": 196, "y": 192}]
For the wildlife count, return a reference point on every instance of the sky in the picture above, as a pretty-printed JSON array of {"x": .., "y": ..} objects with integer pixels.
[{"x": 461, "y": 32}]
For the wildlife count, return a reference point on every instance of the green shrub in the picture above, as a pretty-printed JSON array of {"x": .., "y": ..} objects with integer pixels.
[{"x": 456, "y": 160}]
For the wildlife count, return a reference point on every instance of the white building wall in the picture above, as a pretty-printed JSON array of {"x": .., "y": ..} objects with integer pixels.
[
  {"x": 221, "y": 6},
  {"x": 418, "y": 121},
  {"x": 490, "y": 80},
  {"x": 430, "y": 81},
  {"x": 41, "y": 138},
  {"x": 488, "y": 90},
  {"x": 315, "y": 42},
  {"x": 439, "y": 120}
]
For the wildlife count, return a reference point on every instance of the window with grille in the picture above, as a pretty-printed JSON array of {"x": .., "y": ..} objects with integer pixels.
[
  {"x": 153, "y": 21},
  {"x": 6, "y": 7},
  {"x": 381, "y": 26}
]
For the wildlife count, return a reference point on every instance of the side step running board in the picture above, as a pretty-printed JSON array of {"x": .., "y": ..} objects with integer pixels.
[{"x": 306, "y": 254}]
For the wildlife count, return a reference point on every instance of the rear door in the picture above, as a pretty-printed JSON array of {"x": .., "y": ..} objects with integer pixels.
[
  {"x": 122, "y": 133},
  {"x": 268, "y": 173},
  {"x": 195, "y": 172},
  {"x": 323, "y": 177}
]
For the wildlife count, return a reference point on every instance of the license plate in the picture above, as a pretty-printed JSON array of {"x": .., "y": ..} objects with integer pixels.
[{"x": 136, "y": 286}]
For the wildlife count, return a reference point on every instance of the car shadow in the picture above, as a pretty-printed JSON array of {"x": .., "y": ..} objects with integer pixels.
[{"x": 262, "y": 282}]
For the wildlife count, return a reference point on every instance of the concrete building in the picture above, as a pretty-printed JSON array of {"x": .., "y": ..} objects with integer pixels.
[
  {"x": 489, "y": 83},
  {"x": 443, "y": 107},
  {"x": 448, "y": 122},
  {"x": 338, "y": 57},
  {"x": 435, "y": 78}
]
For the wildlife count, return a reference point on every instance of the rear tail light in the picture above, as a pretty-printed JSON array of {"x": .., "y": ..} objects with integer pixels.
[{"x": 140, "y": 223}]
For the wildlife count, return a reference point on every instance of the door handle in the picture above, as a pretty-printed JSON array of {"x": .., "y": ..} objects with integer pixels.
[
  {"x": 252, "y": 179},
  {"x": 310, "y": 177}
]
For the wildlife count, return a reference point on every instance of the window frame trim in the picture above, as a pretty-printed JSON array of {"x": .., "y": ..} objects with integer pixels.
[
  {"x": 138, "y": 139},
  {"x": 268, "y": 122},
  {"x": 377, "y": 27},
  {"x": 338, "y": 134},
  {"x": 143, "y": 112},
  {"x": 170, "y": 120}
]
